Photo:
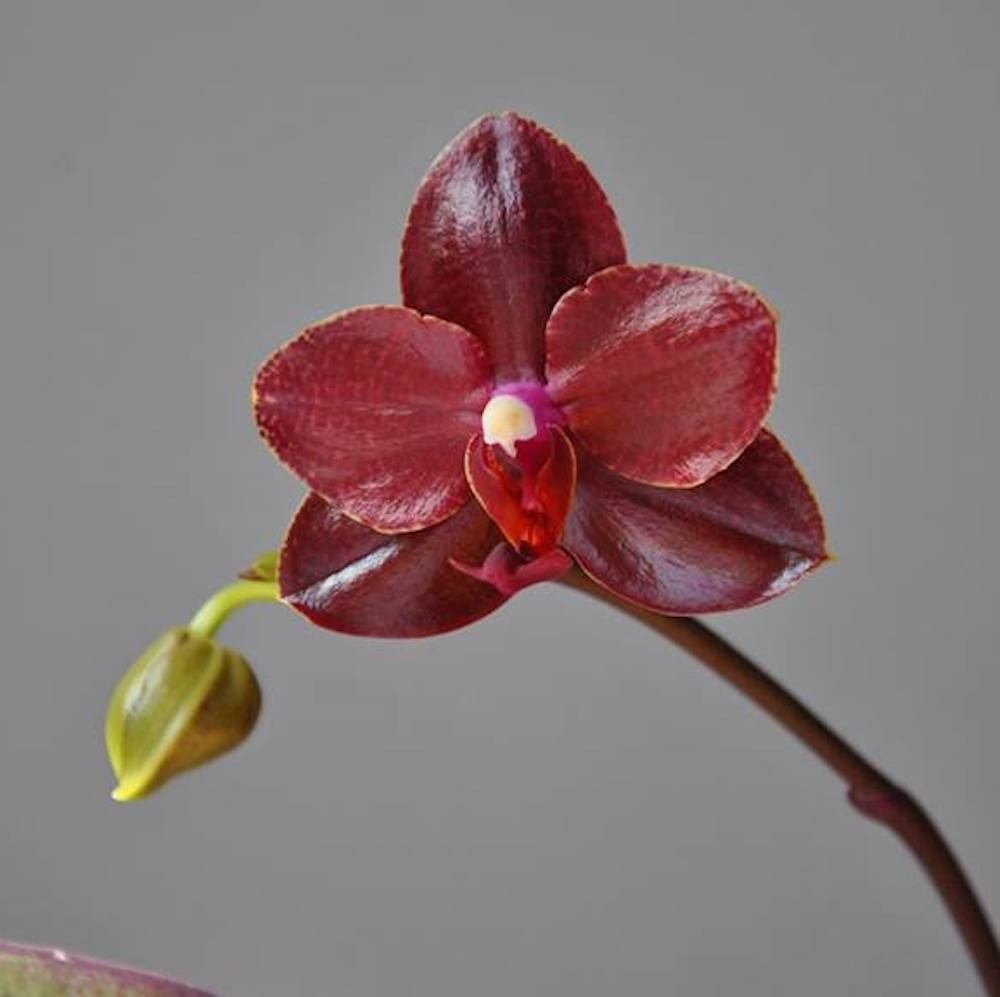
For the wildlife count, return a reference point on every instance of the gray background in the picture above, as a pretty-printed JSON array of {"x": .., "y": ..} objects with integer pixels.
[{"x": 552, "y": 802}]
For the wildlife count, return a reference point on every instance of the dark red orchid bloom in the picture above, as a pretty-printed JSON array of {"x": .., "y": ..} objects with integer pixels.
[{"x": 537, "y": 401}]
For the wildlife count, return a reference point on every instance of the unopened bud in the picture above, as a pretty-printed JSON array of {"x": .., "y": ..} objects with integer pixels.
[{"x": 185, "y": 701}]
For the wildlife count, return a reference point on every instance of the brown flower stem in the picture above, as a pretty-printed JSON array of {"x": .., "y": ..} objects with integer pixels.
[{"x": 868, "y": 790}]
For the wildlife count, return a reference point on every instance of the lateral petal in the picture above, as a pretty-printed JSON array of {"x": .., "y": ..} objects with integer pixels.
[
  {"x": 373, "y": 409},
  {"x": 664, "y": 373}
]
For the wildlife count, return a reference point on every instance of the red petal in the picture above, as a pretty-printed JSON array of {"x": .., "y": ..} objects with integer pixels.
[
  {"x": 373, "y": 409},
  {"x": 529, "y": 506},
  {"x": 744, "y": 536},
  {"x": 665, "y": 373},
  {"x": 506, "y": 221},
  {"x": 346, "y": 577}
]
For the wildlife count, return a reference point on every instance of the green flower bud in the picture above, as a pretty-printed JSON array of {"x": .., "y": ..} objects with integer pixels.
[{"x": 186, "y": 700}]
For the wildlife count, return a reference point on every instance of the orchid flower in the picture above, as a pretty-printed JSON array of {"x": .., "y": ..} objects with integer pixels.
[{"x": 535, "y": 401}]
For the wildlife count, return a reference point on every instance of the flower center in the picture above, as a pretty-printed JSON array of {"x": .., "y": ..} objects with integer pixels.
[
  {"x": 520, "y": 413},
  {"x": 507, "y": 420},
  {"x": 522, "y": 467}
]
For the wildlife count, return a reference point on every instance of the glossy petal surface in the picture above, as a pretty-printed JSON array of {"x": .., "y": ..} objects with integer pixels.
[
  {"x": 373, "y": 409},
  {"x": 744, "y": 536},
  {"x": 506, "y": 221},
  {"x": 346, "y": 577},
  {"x": 31, "y": 971},
  {"x": 665, "y": 373},
  {"x": 530, "y": 506}
]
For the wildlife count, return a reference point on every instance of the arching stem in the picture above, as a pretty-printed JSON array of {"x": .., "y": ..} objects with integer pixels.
[
  {"x": 217, "y": 609},
  {"x": 868, "y": 790}
]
